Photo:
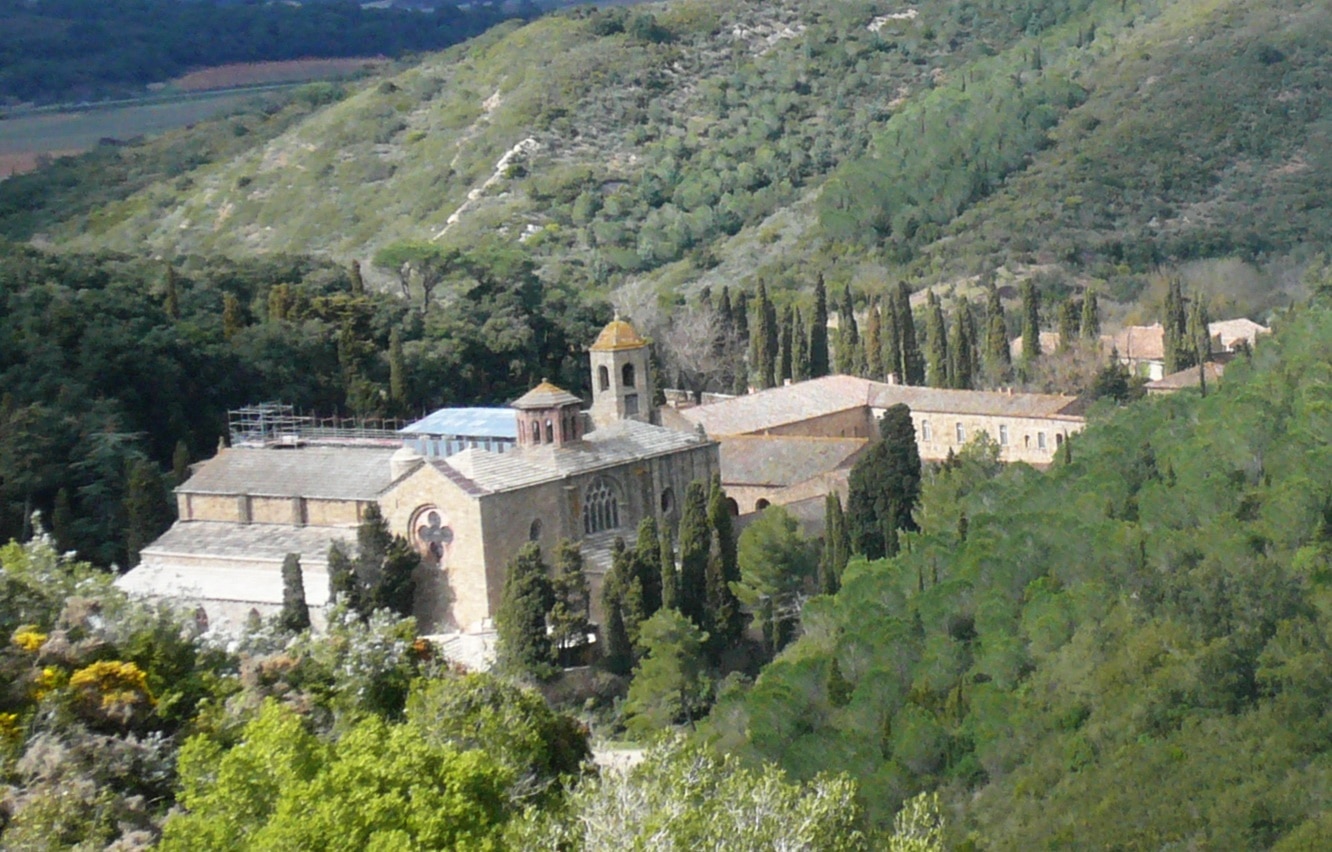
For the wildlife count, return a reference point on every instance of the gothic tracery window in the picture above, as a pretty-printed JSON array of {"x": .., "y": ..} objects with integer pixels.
[
  {"x": 601, "y": 508},
  {"x": 432, "y": 533}
]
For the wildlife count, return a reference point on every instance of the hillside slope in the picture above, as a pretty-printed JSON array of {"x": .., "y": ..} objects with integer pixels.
[
  {"x": 705, "y": 142},
  {"x": 1129, "y": 651}
]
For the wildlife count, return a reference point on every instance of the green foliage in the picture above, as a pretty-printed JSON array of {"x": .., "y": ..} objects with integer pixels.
[
  {"x": 884, "y": 486},
  {"x": 776, "y": 565},
  {"x": 670, "y": 684},
  {"x": 568, "y": 614},
  {"x": 695, "y": 542},
  {"x": 522, "y": 644},
  {"x": 295, "y": 614}
]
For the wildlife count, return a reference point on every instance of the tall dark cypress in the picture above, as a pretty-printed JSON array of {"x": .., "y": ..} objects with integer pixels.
[
  {"x": 998, "y": 357},
  {"x": 818, "y": 332},
  {"x": 874, "y": 368},
  {"x": 786, "y": 339},
  {"x": 523, "y": 646},
  {"x": 725, "y": 622},
  {"x": 762, "y": 349},
  {"x": 1068, "y": 324},
  {"x": 147, "y": 510},
  {"x": 1031, "y": 322},
  {"x": 1180, "y": 351},
  {"x": 397, "y": 373},
  {"x": 799, "y": 349},
  {"x": 936, "y": 343},
  {"x": 295, "y": 614},
  {"x": 836, "y": 544},
  {"x": 1199, "y": 330},
  {"x": 913, "y": 362},
  {"x": 695, "y": 540},
  {"x": 885, "y": 487},
  {"x": 647, "y": 565},
  {"x": 357, "y": 282},
  {"x": 962, "y": 349},
  {"x": 1090, "y": 326},
  {"x": 892, "y": 338},
  {"x": 741, "y": 318},
  {"x": 670, "y": 580},
  {"x": 849, "y": 351}
]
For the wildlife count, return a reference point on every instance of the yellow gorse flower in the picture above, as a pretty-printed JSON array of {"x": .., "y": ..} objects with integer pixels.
[{"x": 29, "y": 638}]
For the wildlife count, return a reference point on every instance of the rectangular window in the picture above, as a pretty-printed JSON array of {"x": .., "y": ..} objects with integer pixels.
[
  {"x": 925, "y": 434},
  {"x": 630, "y": 405},
  {"x": 961, "y": 434},
  {"x": 1003, "y": 435},
  {"x": 1040, "y": 440}
]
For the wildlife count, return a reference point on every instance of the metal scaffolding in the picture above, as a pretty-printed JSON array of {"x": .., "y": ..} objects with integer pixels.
[{"x": 276, "y": 424}]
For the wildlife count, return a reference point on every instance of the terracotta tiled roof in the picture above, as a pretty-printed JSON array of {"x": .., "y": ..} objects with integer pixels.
[
  {"x": 329, "y": 473},
  {"x": 780, "y": 461},
  {"x": 1229, "y": 333},
  {"x": 617, "y": 335},
  {"x": 1187, "y": 378},
  {"x": 1049, "y": 343},
  {"x": 1137, "y": 342},
  {"x": 546, "y": 395}
]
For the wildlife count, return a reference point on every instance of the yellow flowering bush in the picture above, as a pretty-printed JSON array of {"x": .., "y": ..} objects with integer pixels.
[
  {"x": 112, "y": 690},
  {"x": 10, "y": 730},
  {"x": 29, "y": 638},
  {"x": 49, "y": 679}
]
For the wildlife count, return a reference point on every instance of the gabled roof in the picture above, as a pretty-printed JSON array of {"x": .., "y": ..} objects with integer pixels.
[
  {"x": 1137, "y": 342},
  {"x": 1232, "y": 331},
  {"x": 773, "y": 407},
  {"x": 329, "y": 473},
  {"x": 617, "y": 335},
  {"x": 545, "y": 395},
  {"x": 468, "y": 422},
  {"x": 1186, "y": 378},
  {"x": 983, "y": 403},
  {"x": 782, "y": 461}
]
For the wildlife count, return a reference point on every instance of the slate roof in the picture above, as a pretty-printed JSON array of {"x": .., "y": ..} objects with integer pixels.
[
  {"x": 228, "y": 552},
  {"x": 983, "y": 403},
  {"x": 617, "y": 443},
  {"x": 1186, "y": 378},
  {"x": 328, "y": 473},
  {"x": 545, "y": 395},
  {"x": 467, "y": 422},
  {"x": 617, "y": 335},
  {"x": 781, "y": 461}
]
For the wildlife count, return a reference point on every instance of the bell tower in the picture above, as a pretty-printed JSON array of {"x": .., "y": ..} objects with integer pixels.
[
  {"x": 621, "y": 375},
  {"x": 548, "y": 415}
]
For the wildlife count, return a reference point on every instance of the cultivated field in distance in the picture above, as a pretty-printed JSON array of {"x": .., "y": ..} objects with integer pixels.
[{"x": 267, "y": 73}]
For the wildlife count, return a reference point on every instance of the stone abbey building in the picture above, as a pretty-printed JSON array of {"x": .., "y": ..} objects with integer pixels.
[{"x": 588, "y": 476}]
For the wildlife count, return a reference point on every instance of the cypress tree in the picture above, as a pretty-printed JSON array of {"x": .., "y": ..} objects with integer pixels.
[
  {"x": 231, "y": 319},
  {"x": 726, "y": 622},
  {"x": 147, "y": 512},
  {"x": 786, "y": 360},
  {"x": 180, "y": 463},
  {"x": 1180, "y": 351},
  {"x": 885, "y": 486},
  {"x": 836, "y": 544},
  {"x": 818, "y": 332},
  {"x": 725, "y": 313},
  {"x": 998, "y": 357},
  {"x": 617, "y": 654},
  {"x": 695, "y": 540},
  {"x": 762, "y": 349},
  {"x": 1199, "y": 330},
  {"x": 670, "y": 582},
  {"x": 629, "y": 588},
  {"x": 892, "y": 340},
  {"x": 874, "y": 343},
  {"x": 342, "y": 582},
  {"x": 962, "y": 353},
  {"x": 1090, "y": 326},
  {"x": 171, "y": 300},
  {"x": 279, "y": 302},
  {"x": 295, "y": 614},
  {"x": 357, "y": 282},
  {"x": 913, "y": 362},
  {"x": 522, "y": 646},
  {"x": 396, "y": 589},
  {"x": 647, "y": 565},
  {"x": 800, "y": 349},
  {"x": 1068, "y": 324},
  {"x": 742, "y": 318},
  {"x": 568, "y": 616},
  {"x": 839, "y": 688},
  {"x": 1031, "y": 322},
  {"x": 398, "y": 373},
  {"x": 848, "y": 336},
  {"x": 936, "y": 343},
  {"x": 62, "y": 518}
]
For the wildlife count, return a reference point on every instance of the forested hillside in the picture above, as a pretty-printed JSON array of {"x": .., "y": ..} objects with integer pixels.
[
  {"x": 1130, "y": 650},
  {"x": 700, "y": 142}
]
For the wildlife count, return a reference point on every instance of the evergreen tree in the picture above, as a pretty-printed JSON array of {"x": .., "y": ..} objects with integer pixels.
[
  {"x": 1090, "y": 326},
  {"x": 762, "y": 349},
  {"x": 849, "y": 351},
  {"x": 147, "y": 511},
  {"x": 295, "y": 614},
  {"x": 892, "y": 339},
  {"x": 1180, "y": 350},
  {"x": 724, "y": 611},
  {"x": 962, "y": 353},
  {"x": 786, "y": 358},
  {"x": 568, "y": 616},
  {"x": 617, "y": 654},
  {"x": 913, "y": 362},
  {"x": 818, "y": 332},
  {"x": 1031, "y": 322},
  {"x": 800, "y": 366},
  {"x": 180, "y": 463},
  {"x": 342, "y": 582},
  {"x": 836, "y": 544},
  {"x": 171, "y": 299},
  {"x": 695, "y": 540},
  {"x": 357, "y": 282},
  {"x": 1199, "y": 330},
  {"x": 874, "y": 343},
  {"x": 231, "y": 318},
  {"x": 628, "y": 588},
  {"x": 647, "y": 565},
  {"x": 839, "y": 688},
  {"x": 1068, "y": 324},
  {"x": 775, "y": 562},
  {"x": 62, "y": 519},
  {"x": 670, "y": 582},
  {"x": 936, "y": 343},
  {"x": 397, "y": 373},
  {"x": 742, "y": 318},
  {"x": 522, "y": 644},
  {"x": 396, "y": 589},
  {"x": 998, "y": 358},
  {"x": 671, "y": 685},
  {"x": 885, "y": 486}
]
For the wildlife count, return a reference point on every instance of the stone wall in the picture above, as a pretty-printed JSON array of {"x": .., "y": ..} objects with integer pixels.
[
  {"x": 849, "y": 423},
  {"x": 1019, "y": 438}
]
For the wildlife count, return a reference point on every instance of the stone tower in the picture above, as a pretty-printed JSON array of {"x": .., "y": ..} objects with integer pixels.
[
  {"x": 548, "y": 415},
  {"x": 621, "y": 375}
]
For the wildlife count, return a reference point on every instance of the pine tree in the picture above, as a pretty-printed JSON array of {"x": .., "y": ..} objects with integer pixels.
[
  {"x": 171, "y": 299},
  {"x": 1090, "y": 326},
  {"x": 180, "y": 463},
  {"x": 1068, "y": 324},
  {"x": 522, "y": 644},
  {"x": 800, "y": 349},
  {"x": 147, "y": 512},
  {"x": 695, "y": 539},
  {"x": 1031, "y": 322},
  {"x": 670, "y": 581},
  {"x": 397, "y": 373},
  {"x": 998, "y": 358},
  {"x": 725, "y": 622},
  {"x": 936, "y": 343},
  {"x": 647, "y": 565},
  {"x": 295, "y": 614},
  {"x": 786, "y": 340},
  {"x": 874, "y": 343},
  {"x": 885, "y": 486},
  {"x": 913, "y": 362},
  {"x": 357, "y": 282},
  {"x": 818, "y": 332},
  {"x": 962, "y": 352},
  {"x": 231, "y": 318},
  {"x": 568, "y": 616}
]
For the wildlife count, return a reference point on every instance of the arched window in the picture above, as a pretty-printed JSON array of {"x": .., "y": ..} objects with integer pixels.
[
  {"x": 534, "y": 531},
  {"x": 761, "y": 505},
  {"x": 667, "y": 500},
  {"x": 627, "y": 375},
  {"x": 550, "y": 432},
  {"x": 536, "y": 432},
  {"x": 603, "y": 378},
  {"x": 732, "y": 507},
  {"x": 601, "y": 508}
]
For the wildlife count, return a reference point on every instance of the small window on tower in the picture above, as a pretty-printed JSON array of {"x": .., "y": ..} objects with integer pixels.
[
  {"x": 628, "y": 375},
  {"x": 961, "y": 434},
  {"x": 926, "y": 434},
  {"x": 631, "y": 405},
  {"x": 550, "y": 432},
  {"x": 536, "y": 432},
  {"x": 1040, "y": 440},
  {"x": 603, "y": 378}
]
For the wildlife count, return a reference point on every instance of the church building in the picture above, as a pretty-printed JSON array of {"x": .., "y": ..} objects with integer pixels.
[{"x": 561, "y": 473}]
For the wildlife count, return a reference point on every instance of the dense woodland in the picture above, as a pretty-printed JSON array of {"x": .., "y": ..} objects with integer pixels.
[{"x": 67, "y": 50}]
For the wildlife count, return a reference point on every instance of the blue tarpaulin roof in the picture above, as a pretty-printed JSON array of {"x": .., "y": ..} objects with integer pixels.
[{"x": 468, "y": 422}]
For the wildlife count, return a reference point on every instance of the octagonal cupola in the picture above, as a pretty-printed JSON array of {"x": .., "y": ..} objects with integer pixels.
[
  {"x": 621, "y": 375},
  {"x": 548, "y": 415}
]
